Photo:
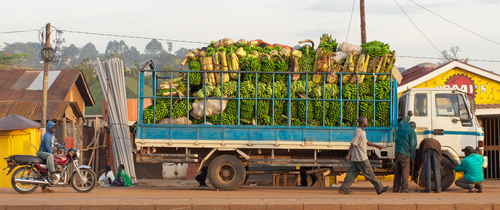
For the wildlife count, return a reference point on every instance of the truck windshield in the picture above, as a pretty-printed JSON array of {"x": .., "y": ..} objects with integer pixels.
[
  {"x": 420, "y": 106},
  {"x": 451, "y": 105}
]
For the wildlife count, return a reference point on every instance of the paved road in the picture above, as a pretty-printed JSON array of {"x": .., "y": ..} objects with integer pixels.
[{"x": 253, "y": 197}]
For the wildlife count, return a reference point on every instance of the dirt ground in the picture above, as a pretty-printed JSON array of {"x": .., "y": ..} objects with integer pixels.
[{"x": 363, "y": 194}]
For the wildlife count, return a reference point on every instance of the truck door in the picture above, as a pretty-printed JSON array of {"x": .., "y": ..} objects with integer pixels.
[
  {"x": 452, "y": 122},
  {"x": 420, "y": 107}
]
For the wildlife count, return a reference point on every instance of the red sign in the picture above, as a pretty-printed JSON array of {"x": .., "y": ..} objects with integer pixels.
[{"x": 462, "y": 82}]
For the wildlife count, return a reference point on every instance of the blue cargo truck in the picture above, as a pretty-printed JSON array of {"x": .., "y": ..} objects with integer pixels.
[{"x": 231, "y": 148}]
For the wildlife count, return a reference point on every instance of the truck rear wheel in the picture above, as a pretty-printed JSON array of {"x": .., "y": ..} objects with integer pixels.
[
  {"x": 226, "y": 173},
  {"x": 447, "y": 175}
]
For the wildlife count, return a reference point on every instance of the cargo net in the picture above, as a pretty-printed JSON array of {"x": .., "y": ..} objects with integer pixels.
[{"x": 255, "y": 83}]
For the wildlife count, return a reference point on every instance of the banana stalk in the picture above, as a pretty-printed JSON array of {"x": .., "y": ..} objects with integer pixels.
[
  {"x": 189, "y": 56},
  {"x": 347, "y": 63},
  {"x": 233, "y": 65},
  {"x": 207, "y": 64},
  {"x": 380, "y": 69},
  {"x": 390, "y": 65},
  {"x": 224, "y": 66}
]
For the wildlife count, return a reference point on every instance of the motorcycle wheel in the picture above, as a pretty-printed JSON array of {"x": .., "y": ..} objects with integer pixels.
[
  {"x": 23, "y": 173},
  {"x": 79, "y": 185}
]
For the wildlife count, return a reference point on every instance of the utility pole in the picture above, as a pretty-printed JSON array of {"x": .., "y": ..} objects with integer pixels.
[
  {"x": 363, "y": 23},
  {"x": 46, "y": 75}
]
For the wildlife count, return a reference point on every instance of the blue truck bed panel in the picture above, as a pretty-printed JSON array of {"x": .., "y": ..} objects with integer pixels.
[{"x": 176, "y": 133}]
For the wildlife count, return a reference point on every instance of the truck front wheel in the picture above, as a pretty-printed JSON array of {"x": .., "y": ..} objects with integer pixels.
[
  {"x": 447, "y": 175},
  {"x": 226, "y": 173}
]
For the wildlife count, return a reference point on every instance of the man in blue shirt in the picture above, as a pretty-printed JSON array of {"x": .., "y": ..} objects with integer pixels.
[
  {"x": 46, "y": 151},
  {"x": 406, "y": 147},
  {"x": 472, "y": 166}
]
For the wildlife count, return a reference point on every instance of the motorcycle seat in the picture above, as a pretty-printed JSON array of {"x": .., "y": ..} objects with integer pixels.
[{"x": 27, "y": 159}]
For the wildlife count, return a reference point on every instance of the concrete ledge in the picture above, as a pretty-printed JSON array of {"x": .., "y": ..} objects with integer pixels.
[
  {"x": 263, "y": 206},
  {"x": 474, "y": 207},
  {"x": 247, "y": 206},
  {"x": 61, "y": 207},
  {"x": 436, "y": 206},
  {"x": 173, "y": 206}
]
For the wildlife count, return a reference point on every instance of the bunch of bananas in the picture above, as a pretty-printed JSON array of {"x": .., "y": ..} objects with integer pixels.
[
  {"x": 382, "y": 114},
  {"x": 281, "y": 66},
  {"x": 230, "y": 88},
  {"x": 162, "y": 111},
  {"x": 195, "y": 78},
  {"x": 331, "y": 91},
  {"x": 366, "y": 88},
  {"x": 306, "y": 63},
  {"x": 206, "y": 91},
  {"x": 247, "y": 108},
  {"x": 268, "y": 65},
  {"x": 332, "y": 117},
  {"x": 349, "y": 91},
  {"x": 349, "y": 113},
  {"x": 251, "y": 64},
  {"x": 383, "y": 90},
  {"x": 247, "y": 88},
  {"x": 216, "y": 92},
  {"x": 179, "y": 109},
  {"x": 366, "y": 108}
]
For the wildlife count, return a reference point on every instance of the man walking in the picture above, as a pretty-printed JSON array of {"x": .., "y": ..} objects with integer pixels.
[
  {"x": 429, "y": 153},
  {"x": 472, "y": 166},
  {"x": 406, "y": 147},
  {"x": 360, "y": 162}
]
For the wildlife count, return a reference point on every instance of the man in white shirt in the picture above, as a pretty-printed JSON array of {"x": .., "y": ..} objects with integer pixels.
[
  {"x": 107, "y": 177},
  {"x": 359, "y": 160}
]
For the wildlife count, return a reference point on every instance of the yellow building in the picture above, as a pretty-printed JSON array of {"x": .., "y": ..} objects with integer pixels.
[
  {"x": 18, "y": 136},
  {"x": 481, "y": 85}
]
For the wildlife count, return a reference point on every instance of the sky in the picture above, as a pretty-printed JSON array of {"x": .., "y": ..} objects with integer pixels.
[{"x": 274, "y": 21}]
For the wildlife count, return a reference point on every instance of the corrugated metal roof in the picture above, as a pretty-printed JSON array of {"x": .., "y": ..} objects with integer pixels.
[
  {"x": 37, "y": 84},
  {"x": 25, "y": 80},
  {"x": 61, "y": 85},
  {"x": 33, "y": 109}
]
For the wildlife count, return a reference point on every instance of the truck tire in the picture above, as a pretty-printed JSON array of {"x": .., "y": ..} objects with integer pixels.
[
  {"x": 447, "y": 175},
  {"x": 226, "y": 173}
]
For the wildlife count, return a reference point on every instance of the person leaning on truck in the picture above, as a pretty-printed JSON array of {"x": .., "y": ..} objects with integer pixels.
[
  {"x": 472, "y": 166},
  {"x": 406, "y": 147},
  {"x": 360, "y": 162},
  {"x": 429, "y": 153}
]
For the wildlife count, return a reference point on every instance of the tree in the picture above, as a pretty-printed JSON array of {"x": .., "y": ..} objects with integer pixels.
[
  {"x": 88, "y": 51},
  {"x": 88, "y": 71},
  {"x": 181, "y": 52},
  {"x": 8, "y": 60},
  {"x": 30, "y": 48},
  {"x": 154, "y": 47},
  {"x": 118, "y": 48},
  {"x": 451, "y": 56}
]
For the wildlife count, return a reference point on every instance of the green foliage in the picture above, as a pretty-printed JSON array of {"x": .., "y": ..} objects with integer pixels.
[
  {"x": 7, "y": 59},
  {"x": 376, "y": 48}
]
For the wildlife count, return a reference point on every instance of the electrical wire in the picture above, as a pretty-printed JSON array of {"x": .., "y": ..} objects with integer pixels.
[
  {"x": 454, "y": 23},
  {"x": 349, "y": 28},
  {"x": 135, "y": 37},
  {"x": 423, "y": 57},
  {"x": 419, "y": 29},
  {"x": 14, "y": 32}
]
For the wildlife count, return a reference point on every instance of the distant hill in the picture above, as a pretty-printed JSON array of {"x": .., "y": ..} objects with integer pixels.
[{"x": 96, "y": 90}]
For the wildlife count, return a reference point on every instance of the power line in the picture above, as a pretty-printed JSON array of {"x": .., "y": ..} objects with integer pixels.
[
  {"x": 14, "y": 32},
  {"x": 135, "y": 37},
  {"x": 454, "y": 23},
  {"x": 419, "y": 29},
  {"x": 422, "y": 57},
  {"x": 349, "y": 28}
]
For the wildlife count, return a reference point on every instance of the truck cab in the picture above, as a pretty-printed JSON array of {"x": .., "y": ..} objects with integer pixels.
[{"x": 446, "y": 115}]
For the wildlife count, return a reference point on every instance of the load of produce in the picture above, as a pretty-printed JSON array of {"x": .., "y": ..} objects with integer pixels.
[{"x": 259, "y": 81}]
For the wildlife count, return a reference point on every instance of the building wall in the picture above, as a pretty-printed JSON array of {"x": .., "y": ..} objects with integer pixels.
[
  {"x": 486, "y": 91},
  {"x": 74, "y": 95}
]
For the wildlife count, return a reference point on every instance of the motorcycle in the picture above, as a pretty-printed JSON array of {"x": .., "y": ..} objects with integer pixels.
[{"x": 33, "y": 172}]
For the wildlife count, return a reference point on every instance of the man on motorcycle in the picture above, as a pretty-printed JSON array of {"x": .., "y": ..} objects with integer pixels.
[{"x": 46, "y": 151}]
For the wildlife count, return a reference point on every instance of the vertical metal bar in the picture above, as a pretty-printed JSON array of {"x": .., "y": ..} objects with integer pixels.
[
  {"x": 307, "y": 99},
  {"x": 187, "y": 98},
  {"x": 171, "y": 79},
  {"x": 323, "y": 101},
  {"x": 204, "y": 98},
  {"x": 154, "y": 97},
  {"x": 272, "y": 101},
  {"x": 289, "y": 114},
  {"x": 255, "y": 99},
  {"x": 140, "y": 98},
  {"x": 373, "y": 99},
  {"x": 239, "y": 99},
  {"x": 341, "y": 103}
]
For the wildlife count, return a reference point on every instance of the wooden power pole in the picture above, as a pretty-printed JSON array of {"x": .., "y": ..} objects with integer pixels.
[
  {"x": 46, "y": 75},
  {"x": 363, "y": 23}
]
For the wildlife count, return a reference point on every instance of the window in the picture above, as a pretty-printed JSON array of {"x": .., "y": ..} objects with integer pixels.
[
  {"x": 451, "y": 105},
  {"x": 420, "y": 106},
  {"x": 464, "y": 113},
  {"x": 401, "y": 108}
]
